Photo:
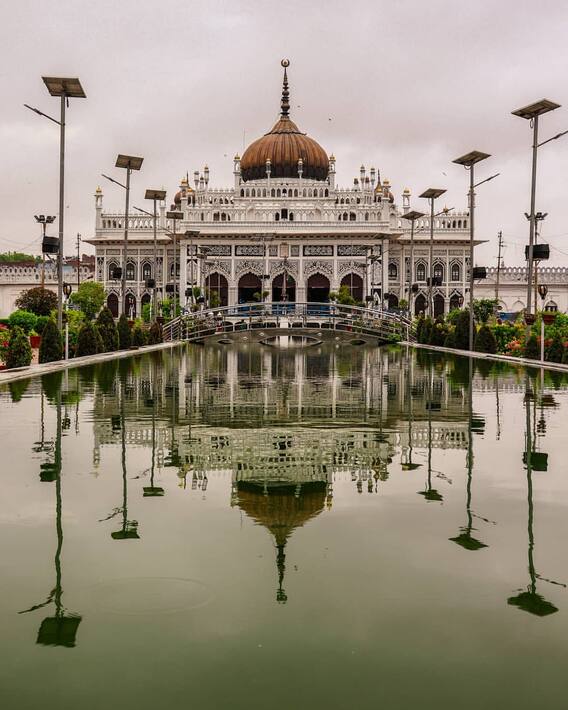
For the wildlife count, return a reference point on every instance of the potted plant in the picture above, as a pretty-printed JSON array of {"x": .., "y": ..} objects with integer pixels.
[
  {"x": 35, "y": 340},
  {"x": 548, "y": 317}
]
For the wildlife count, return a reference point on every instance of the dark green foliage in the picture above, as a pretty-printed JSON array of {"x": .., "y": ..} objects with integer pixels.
[
  {"x": 450, "y": 340},
  {"x": 17, "y": 389},
  {"x": 50, "y": 348},
  {"x": 107, "y": 329},
  {"x": 438, "y": 332},
  {"x": 424, "y": 330},
  {"x": 41, "y": 323},
  {"x": 485, "y": 341},
  {"x": 124, "y": 335},
  {"x": 155, "y": 334},
  {"x": 419, "y": 329},
  {"x": 19, "y": 353},
  {"x": 565, "y": 357},
  {"x": 483, "y": 366},
  {"x": 483, "y": 308},
  {"x": 89, "y": 297},
  {"x": 26, "y": 320},
  {"x": 51, "y": 385},
  {"x": 138, "y": 335},
  {"x": 105, "y": 374},
  {"x": 461, "y": 333},
  {"x": 87, "y": 341},
  {"x": 37, "y": 300},
  {"x": 555, "y": 350},
  {"x": 532, "y": 349}
]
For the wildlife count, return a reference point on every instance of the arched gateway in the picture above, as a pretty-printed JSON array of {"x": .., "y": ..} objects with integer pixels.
[{"x": 318, "y": 288}]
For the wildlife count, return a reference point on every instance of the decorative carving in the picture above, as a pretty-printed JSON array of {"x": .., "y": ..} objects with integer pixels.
[
  {"x": 318, "y": 250},
  {"x": 314, "y": 267},
  {"x": 294, "y": 250},
  {"x": 277, "y": 267},
  {"x": 245, "y": 266},
  {"x": 218, "y": 249},
  {"x": 346, "y": 267},
  {"x": 222, "y": 266},
  {"x": 249, "y": 250},
  {"x": 353, "y": 249}
]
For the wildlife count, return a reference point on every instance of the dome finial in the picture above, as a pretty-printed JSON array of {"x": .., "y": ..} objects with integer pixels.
[{"x": 285, "y": 103}]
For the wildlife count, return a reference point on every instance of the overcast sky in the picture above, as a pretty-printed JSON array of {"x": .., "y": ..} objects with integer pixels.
[{"x": 403, "y": 85}]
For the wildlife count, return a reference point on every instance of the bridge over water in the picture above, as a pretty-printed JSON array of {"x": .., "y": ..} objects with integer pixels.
[{"x": 309, "y": 319}]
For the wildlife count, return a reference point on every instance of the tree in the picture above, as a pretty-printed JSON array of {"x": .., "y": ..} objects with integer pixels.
[
  {"x": 485, "y": 341},
  {"x": 14, "y": 256},
  {"x": 555, "y": 351},
  {"x": 531, "y": 350},
  {"x": 89, "y": 297},
  {"x": 155, "y": 335},
  {"x": 19, "y": 353},
  {"x": 138, "y": 335},
  {"x": 107, "y": 329},
  {"x": 26, "y": 320},
  {"x": 461, "y": 334},
  {"x": 438, "y": 332},
  {"x": 124, "y": 335},
  {"x": 87, "y": 340},
  {"x": 483, "y": 308},
  {"x": 50, "y": 348},
  {"x": 37, "y": 300}
]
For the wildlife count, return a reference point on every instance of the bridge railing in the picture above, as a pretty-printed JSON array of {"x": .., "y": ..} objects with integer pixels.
[{"x": 311, "y": 316}]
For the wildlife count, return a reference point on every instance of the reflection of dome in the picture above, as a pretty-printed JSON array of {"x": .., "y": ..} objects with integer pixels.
[
  {"x": 284, "y": 146},
  {"x": 281, "y": 510}
]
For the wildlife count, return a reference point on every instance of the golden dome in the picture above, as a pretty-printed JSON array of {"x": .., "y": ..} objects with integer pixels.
[
  {"x": 284, "y": 146},
  {"x": 177, "y": 198}
]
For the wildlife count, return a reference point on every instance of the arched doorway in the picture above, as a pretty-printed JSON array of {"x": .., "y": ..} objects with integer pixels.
[
  {"x": 130, "y": 305},
  {"x": 112, "y": 303},
  {"x": 249, "y": 284},
  {"x": 454, "y": 301},
  {"x": 277, "y": 286},
  {"x": 318, "y": 289},
  {"x": 355, "y": 285},
  {"x": 439, "y": 305},
  {"x": 420, "y": 304},
  {"x": 218, "y": 289},
  {"x": 392, "y": 301}
]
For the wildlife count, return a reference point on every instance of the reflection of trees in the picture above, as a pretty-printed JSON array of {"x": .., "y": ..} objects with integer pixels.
[
  {"x": 60, "y": 629},
  {"x": 152, "y": 490}
]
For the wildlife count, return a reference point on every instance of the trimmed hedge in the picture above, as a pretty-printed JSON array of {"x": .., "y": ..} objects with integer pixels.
[
  {"x": 19, "y": 353},
  {"x": 51, "y": 348},
  {"x": 124, "y": 335},
  {"x": 107, "y": 330}
]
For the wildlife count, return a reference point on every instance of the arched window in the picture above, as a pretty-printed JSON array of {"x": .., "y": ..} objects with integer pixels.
[
  {"x": 438, "y": 271},
  {"x": 420, "y": 272},
  {"x": 326, "y": 192},
  {"x": 273, "y": 193},
  {"x": 130, "y": 271},
  {"x": 295, "y": 193},
  {"x": 111, "y": 267},
  {"x": 215, "y": 216},
  {"x": 146, "y": 271},
  {"x": 278, "y": 193},
  {"x": 352, "y": 216},
  {"x": 264, "y": 192},
  {"x": 291, "y": 217},
  {"x": 277, "y": 217},
  {"x": 456, "y": 272},
  {"x": 393, "y": 271}
]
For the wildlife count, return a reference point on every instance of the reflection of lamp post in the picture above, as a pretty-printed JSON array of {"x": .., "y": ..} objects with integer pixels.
[
  {"x": 65, "y": 88},
  {"x": 530, "y": 600},
  {"x": 408, "y": 465},
  {"x": 412, "y": 216},
  {"x": 155, "y": 195},
  {"x": 430, "y": 494},
  {"x": 61, "y": 629},
  {"x": 431, "y": 194},
  {"x": 67, "y": 288},
  {"x": 465, "y": 538},
  {"x": 152, "y": 491},
  {"x": 468, "y": 161}
]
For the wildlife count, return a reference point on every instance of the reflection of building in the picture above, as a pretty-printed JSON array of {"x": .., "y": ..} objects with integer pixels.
[{"x": 285, "y": 227}]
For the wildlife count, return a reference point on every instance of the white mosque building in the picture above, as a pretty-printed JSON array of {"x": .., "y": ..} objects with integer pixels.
[{"x": 284, "y": 230}]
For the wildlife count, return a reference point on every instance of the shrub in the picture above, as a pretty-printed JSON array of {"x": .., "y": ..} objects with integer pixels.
[
  {"x": 155, "y": 334},
  {"x": 565, "y": 357},
  {"x": 37, "y": 300},
  {"x": 419, "y": 329},
  {"x": 26, "y": 320},
  {"x": 41, "y": 323},
  {"x": 485, "y": 341},
  {"x": 90, "y": 297},
  {"x": 107, "y": 330},
  {"x": 87, "y": 341},
  {"x": 531, "y": 349},
  {"x": 555, "y": 351},
  {"x": 124, "y": 335},
  {"x": 426, "y": 331},
  {"x": 483, "y": 308},
  {"x": 438, "y": 332},
  {"x": 19, "y": 352},
  {"x": 138, "y": 335},
  {"x": 461, "y": 334},
  {"x": 450, "y": 341},
  {"x": 50, "y": 348}
]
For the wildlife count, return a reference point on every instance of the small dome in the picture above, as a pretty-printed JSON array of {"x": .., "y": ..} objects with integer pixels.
[
  {"x": 177, "y": 196},
  {"x": 284, "y": 146}
]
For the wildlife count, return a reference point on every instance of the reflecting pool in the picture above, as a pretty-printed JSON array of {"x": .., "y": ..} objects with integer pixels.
[{"x": 256, "y": 526}]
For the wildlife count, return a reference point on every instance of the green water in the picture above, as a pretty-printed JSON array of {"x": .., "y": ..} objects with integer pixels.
[{"x": 255, "y": 527}]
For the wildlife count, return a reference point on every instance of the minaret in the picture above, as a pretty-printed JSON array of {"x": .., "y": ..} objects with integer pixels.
[
  {"x": 99, "y": 208},
  {"x": 332, "y": 171},
  {"x": 237, "y": 170},
  {"x": 405, "y": 200}
]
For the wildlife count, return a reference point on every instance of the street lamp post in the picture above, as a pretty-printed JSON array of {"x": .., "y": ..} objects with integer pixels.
[
  {"x": 155, "y": 195},
  {"x": 65, "y": 88},
  {"x": 44, "y": 220},
  {"x": 468, "y": 161},
  {"x": 130, "y": 163},
  {"x": 175, "y": 216},
  {"x": 411, "y": 216},
  {"x": 191, "y": 235},
  {"x": 67, "y": 288},
  {"x": 532, "y": 113},
  {"x": 431, "y": 194}
]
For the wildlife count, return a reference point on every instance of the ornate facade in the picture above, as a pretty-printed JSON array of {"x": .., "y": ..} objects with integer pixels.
[{"x": 286, "y": 231}]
